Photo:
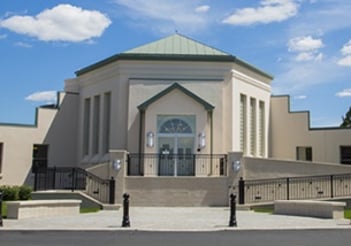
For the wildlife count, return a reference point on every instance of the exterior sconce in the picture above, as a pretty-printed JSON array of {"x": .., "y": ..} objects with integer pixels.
[
  {"x": 116, "y": 165},
  {"x": 236, "y": 166},
  {"x": 150, "y": 139},
  {"x": 202, "y": 140}
]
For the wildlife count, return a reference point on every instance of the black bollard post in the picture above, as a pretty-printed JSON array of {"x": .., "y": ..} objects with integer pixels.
[
  {"x": 126, "y": 222},
  {"x": 232, "y": 219},
  {"x": 112, "y": 188},
  {"x": 1, "y": 224}
]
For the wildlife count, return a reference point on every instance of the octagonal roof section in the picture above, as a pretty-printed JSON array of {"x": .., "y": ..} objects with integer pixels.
[
  {"x": 177, "y": 44},
  {"x": 175, "y": 47}
]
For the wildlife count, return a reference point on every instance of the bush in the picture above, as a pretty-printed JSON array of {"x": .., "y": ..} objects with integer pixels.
[
  {"x": 25, "y": 193},
  {"x": 9, "y": 193},
  {"x": 14, "y": 193}
]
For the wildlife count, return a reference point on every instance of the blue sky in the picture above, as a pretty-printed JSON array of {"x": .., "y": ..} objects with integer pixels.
[{"x": 304, "y": 44}]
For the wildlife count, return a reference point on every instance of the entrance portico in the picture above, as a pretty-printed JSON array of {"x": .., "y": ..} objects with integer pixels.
[{"x": 175, "y": 125}]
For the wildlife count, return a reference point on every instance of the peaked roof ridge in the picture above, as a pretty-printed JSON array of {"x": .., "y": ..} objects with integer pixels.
[
  {"x": 177, "y": 44},
  {"x": 199, "y": 42},
  {"x": 202, "y": 43},
  {"x": 142, "y": 107}
]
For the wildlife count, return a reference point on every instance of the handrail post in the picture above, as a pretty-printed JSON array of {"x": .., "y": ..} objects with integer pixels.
[
  {"x": 112, "y": 188},
  {"x": 1, "y": 223},
  {"x": 232, "y": 219},
  {"x": 126, "y": 222},
  {"x": 73, "y": 178},
  {"x": 287, "y": 188},
  {"x": 331, "y": 186},
  {"x": 36, "y": 179},
  {"x": 54, "y": 178},
  {"x": 241, "y": 191},
  {"x": 128, "y": 164}
]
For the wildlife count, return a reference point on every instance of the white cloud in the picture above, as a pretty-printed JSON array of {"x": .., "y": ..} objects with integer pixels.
[
  {"x": 319, "y": 57},
  {"x": 345, "y": 61},
  {"x": 297, "y": 77},
  {"x": 346, "y": 52},
  {"x": 324, "y": 17},
  {"x": 307, "y": 48},
  {"x": 306, "y": 43},
  {"x": 166, "y": 15},
  {"x": 305, "y": 56},
  {"x": 202, "y": 9},
  {"x": 346, "y": 49},
  {"x": 23, "y": 45},
  {"x": 43, "y": 96},
  {"x": 269, "y": 11},
  {"x": 61, "y": 23},
  {"x": 300, "y": 97},
  {"x": 344, "y": 93}
]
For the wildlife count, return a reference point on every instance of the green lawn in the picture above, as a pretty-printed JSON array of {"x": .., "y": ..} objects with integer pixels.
[
  {"x": 347, "y": 213},
  {"x": 4, "y": 209},
  {"x": 89, "y": 210}
]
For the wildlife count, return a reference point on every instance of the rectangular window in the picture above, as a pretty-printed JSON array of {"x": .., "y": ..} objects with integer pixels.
[
  {"x": 243, "y": 123},
  {"x": 253, "y": 126},
  {"x": 1, "y": 155},
  {"x": 40, "y": 157},
  {"x": 261, "y": 128},
  {"x": 86, "y": 127},
  {"x": 106, "y": 122},
  {"x": 345, "y": 154},
  {"x": 96, "y": 124},
  {"x": 304, "y": 153}
]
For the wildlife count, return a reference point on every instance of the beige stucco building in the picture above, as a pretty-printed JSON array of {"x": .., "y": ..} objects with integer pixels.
[{"x": 180, "y": 116}]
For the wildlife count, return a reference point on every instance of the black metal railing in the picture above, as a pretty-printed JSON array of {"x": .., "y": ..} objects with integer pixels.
[
  {"x": 67, "y": 178},
  {"x": 294, "y": 188},
  {"x": 141, "y": 164}
]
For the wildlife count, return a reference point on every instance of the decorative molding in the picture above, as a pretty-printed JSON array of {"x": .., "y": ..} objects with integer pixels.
[{"x": 251, "y": 81}]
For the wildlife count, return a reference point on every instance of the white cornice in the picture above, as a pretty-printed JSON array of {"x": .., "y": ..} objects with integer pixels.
[{"x": 251, "y": 81}]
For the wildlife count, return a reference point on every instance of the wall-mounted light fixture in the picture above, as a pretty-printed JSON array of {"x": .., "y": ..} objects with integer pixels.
[
  {"x": 236, "y": 166},
  {"x": 116, "y": 164},
  {"x": 202, "y": 140},
  {"x": 150, "y": 139}
]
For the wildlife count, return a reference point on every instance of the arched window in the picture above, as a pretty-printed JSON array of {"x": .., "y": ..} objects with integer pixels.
[{"x": 175, "y": 126}]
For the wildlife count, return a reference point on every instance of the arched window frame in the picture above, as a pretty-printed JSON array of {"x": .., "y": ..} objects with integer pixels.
[
  {"x": 188, "y": 120},
  {"x": 175, "y": 126}
]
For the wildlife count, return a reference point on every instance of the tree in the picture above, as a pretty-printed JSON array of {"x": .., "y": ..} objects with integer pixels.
[{"x": 346, "y": 121}]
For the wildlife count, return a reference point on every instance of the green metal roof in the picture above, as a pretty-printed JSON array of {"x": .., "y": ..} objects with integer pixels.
[
  {"x": 142, "y": 107},
  {"x": 175, "y": 47},
  {"x": 176, "y": 44}
]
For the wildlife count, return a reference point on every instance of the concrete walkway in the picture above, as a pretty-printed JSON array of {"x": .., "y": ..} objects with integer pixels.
[{"x": 174, "y": 219}]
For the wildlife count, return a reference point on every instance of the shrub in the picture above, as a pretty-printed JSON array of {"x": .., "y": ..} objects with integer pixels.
[
  {"x": 25, "y": 193},
  {"x": 9, "y": 193},
  {"x": 14, "y": 193}
]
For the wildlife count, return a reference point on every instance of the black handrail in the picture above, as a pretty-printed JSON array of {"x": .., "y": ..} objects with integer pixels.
[
  {"x": 294, "y": 188},
  {"x": 68, "y": 178},
  {"x": 162, "y": 162}
]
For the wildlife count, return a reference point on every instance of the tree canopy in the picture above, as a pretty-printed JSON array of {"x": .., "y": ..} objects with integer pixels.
[{"x": 346, "y": 121}]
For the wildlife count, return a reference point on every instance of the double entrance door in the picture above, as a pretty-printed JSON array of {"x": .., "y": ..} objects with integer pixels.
[{"x": 176, "y": 156}]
